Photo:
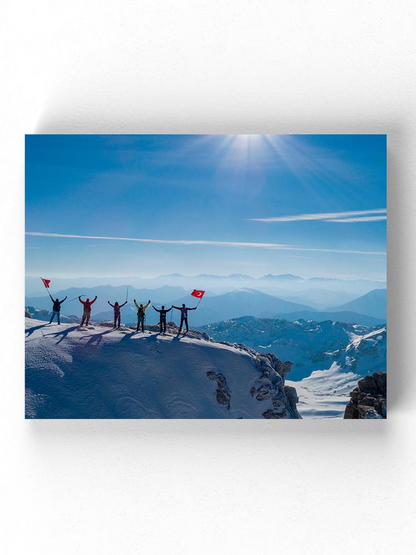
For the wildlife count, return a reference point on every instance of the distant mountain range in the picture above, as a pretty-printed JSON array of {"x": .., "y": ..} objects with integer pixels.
[
  {"x": 239, "y": 303},
  {"x": 279, "y": 285},
  {"x": 266, "y": 278},
  {"x": 317, "y": 292},
  {"x": 214, "y": 308},
  {"x": 374, "y": 303},
  {"x": 311, "y": 345}
]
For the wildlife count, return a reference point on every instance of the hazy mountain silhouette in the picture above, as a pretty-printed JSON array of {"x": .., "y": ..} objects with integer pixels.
[{"x": 372, "y": 304}]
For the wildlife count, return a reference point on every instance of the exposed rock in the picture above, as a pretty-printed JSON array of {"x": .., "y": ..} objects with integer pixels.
[
  {"x": 223, "y": 393},
  {"x": 369, "y": 398},
  {"x": 292, "y": 397},
  {"x": 271, "y": 385},
  {"x": 269, "y": 414}
]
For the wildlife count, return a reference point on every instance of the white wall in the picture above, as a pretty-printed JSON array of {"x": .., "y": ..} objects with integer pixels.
[{"x": 280, "y": 66}]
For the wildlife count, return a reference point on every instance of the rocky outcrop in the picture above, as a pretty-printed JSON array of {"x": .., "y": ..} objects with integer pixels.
[
  {"x": 223, "y": 393},
  {"x": 292, "y": 399},
  {"x": 369, "y": 398},
  {"x": 271, "y": 385}
]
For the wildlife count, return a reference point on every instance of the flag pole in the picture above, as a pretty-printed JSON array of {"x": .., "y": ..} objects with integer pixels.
[{"x": 171, "y": 315}]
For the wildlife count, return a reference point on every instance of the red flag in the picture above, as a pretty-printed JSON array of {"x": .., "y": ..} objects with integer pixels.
[
  {"x": 197, "y": 293},
  {"x": 46, "y": 282}
]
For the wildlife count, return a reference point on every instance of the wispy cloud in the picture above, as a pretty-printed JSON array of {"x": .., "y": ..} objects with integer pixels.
[
  {"x": 275, "y": 246},
  {"x": 363, "y": 219},
  {"x": 352, "y": 216}
]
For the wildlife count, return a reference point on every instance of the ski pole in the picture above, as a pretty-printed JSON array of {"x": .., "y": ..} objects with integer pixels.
[{"x": 75, "y": 298}]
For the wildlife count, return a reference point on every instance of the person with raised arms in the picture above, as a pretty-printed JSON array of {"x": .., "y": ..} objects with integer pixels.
[
  {"x": 184, "y": 315},
  {"x": 162, "y": 314},
  {"x": 117, "y": 313},
  {"x": 141, "y": 314},
  {"x": 56, "y": 310},
  {"x": 87, "y": 310}
]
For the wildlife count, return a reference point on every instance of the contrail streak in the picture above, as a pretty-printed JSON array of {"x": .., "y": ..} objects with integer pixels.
[
  {"x": 275, "y": 246},
  {"x": 328, "y": 216}
]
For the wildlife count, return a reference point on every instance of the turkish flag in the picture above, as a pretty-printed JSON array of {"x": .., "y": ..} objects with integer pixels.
[
  {"x": 46, "y": 282},
  {"x": 197, "y": 293}
]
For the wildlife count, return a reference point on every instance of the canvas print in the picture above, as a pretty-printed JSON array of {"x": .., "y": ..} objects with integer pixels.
[{"x": 205, "y": 276}]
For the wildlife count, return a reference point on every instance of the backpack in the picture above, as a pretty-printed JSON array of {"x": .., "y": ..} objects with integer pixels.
[{"x": 140, "y": 313}]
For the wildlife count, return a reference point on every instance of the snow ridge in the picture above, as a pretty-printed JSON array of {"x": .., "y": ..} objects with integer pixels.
[{"x": 97, "y": 372}]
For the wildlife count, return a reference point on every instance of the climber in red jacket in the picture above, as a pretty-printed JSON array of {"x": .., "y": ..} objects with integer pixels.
[{"x": 87, "y": 310}]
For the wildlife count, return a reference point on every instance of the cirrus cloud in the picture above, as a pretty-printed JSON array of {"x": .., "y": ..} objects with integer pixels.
[
  {"x": 347, "y": 217},
  {"x": 275, "y": 246}
]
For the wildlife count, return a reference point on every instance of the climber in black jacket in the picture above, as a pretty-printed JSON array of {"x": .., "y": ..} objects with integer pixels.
[
  {"x": 162, "y": 313},
  {"x": 56, "y": 309}
]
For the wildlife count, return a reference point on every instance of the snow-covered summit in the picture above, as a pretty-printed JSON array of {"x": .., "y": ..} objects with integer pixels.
[
  {"x": 97, "y": 372},
  {"x": 242, "y": 290}
]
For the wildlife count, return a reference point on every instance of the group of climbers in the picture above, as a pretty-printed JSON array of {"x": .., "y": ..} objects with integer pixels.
[
  {"x": 141, "y": 313},
  {"x": 162, "y": 315}
]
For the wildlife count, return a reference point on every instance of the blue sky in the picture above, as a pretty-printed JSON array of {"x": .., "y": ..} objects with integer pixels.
[{"x": 311, "y": 205}]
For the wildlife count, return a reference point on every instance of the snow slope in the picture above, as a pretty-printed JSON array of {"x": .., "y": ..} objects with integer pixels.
[
  {"x": 96, "y": 372},
  {"x": 325, "y": 393}
]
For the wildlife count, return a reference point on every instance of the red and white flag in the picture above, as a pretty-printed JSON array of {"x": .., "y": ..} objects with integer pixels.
[
  {"x": 46, "y": 282},
  {"x": 197, "y": 293}
]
